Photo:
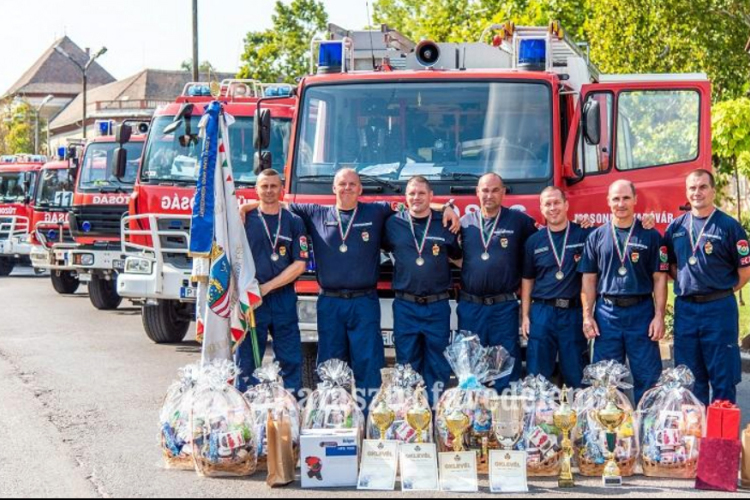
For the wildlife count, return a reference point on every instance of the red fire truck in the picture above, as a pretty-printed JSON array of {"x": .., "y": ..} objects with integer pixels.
[
  {"x": 156, "y": 231},
  {"x": 50, "y": 221},
  {"x": 18, "y": 175},
  {"x": 100, "y": 201},
  {"x": 523, "y": 102}
]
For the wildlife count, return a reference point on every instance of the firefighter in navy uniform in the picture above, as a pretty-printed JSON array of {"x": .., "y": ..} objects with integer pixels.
[
  {"x": 552, "y": 316},
  {"x": 493, "y": 242},
  {"x": 279, "y": 245},
  {"x": 422, "y": 249},
  {"x": 625, "y": 277},
  {"x": 709, "y": 260}
]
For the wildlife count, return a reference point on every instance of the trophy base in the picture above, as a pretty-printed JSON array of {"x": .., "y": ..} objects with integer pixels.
[
  {"x": 566, "y": 483},
  {"x": 612, "y": 481}
]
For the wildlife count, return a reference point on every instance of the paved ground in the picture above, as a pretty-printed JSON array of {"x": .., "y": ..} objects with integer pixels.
[{"x": 79, "y": 400}]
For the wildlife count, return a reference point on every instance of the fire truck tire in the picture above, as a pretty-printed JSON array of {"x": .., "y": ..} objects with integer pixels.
[
  {"x": 65, "y": 282},
  {"x": 164, "y": 323},
  {"x": 6, "y": 266},
  {"x": 103, "y": 293},
  {"x": 309, "y": 365}
]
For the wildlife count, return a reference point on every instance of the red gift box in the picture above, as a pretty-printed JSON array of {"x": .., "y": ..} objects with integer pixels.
[
  {"x": 723, "y": 421},
  {"x": 718, "y": 465}
]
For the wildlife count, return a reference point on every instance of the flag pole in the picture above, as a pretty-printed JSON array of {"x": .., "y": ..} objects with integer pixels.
[{"x": 254, "y": 339}]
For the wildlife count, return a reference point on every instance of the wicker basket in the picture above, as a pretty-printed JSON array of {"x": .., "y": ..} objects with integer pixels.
[
  {"x": 590, "y": 469},
  {"x": 546, "y": 468},
  {"x": 176, "y": 463},
  {"x": 680, "y": 470},
  {"x": 246, "y": 467}
]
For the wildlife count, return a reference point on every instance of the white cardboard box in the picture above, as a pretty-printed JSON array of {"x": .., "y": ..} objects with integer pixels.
[{"x": 329, "y": 458}]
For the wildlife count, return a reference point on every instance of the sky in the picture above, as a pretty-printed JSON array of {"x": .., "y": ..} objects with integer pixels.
[{"x": 142, "y": 34}]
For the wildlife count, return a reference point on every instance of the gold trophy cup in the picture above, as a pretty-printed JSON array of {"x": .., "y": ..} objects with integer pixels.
[
  {"x": 565, "y": 419},
  {"x": 383, "y": 417},
  {"x": 419, "y": 417},
  {"x": 457, "y": 423},
  {"x": 611, "y": 417}
]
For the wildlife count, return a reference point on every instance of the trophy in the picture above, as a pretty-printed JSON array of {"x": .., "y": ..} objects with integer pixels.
[
  {"x": 383, "y": 417},
  {"x": 611, "y": 417},
  {"x": 457, "y": 423},
  {"x": 419, "y": 417},
  {"x": 508, "y": 472},
  {"x": 566, "y": 419},
  {"x": 507, "y": 421}
]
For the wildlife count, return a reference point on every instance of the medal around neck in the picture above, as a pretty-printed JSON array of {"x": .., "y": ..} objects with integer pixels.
[
  {"x": 487, "y": 238},
  {"x": 696, "y": 242},
  {"x": 622, "y": 253},
  {"x": 559, "y": 256},
  {"x": 345, "y": 234},
  {"x": 420, "y": 245}
]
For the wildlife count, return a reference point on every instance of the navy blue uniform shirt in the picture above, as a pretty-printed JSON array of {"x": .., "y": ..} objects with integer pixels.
[
  {"x": 721, "y": 251},
  {"x": 434, "y": 277},
  {"x": 359, "y": 267},
  {"x": 540, "y": 264},
  {"x": 502, "y": 272},
  {"x": 642, "y": 260},
  {"x": 293, "y": 244}
]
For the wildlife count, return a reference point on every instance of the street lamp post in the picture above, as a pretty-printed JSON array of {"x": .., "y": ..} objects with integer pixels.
[
  {"x": 36, "y": 128},
  {"x": 83, "y": 69}
]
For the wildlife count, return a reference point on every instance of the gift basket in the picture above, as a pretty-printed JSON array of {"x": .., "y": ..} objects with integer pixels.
[
  {"x": 474, "y": 366},
  {"x": 672, "y": 424},
  {"x": 224, "y": 443},
  {"x": 402, "y": 391},
  {"x": 542, "y": 440},
  {"x": 174, "y": 420},
  {"x": 332, "y": 405},
  {"x": 270, "y": 395},
  {"x": 589, "y": 436}
]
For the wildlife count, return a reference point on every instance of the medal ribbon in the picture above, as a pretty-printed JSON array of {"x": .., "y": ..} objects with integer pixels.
[
  {"x": 696, "y": 243},
  {"x": 559, "y": 258},
  {"x": 487, "y": 239},
  {"x": 274, "y": 241},
  {"x": 345, "y": 235},
  {"x": 420, "y": 246},
  {"x": 622, "y": 253}
]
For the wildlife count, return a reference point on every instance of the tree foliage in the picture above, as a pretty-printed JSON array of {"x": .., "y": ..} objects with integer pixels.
[
  {"x": 282, "y": 52},
  {"x": 17, "y": 129},
  {"x": 204, "y": 67},
  {"x": 731, "y": 135}
]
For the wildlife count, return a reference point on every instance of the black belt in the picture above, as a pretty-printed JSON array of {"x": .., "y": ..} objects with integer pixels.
[
  {"x": 560, "y": 303},
  {"x": 422, "y": 300},
  {"x": 489, "y": 300},
  {"x": 711, "y": 297},
  {"x": 354, "y": 294},
  {"x": 626, "y": 300}
]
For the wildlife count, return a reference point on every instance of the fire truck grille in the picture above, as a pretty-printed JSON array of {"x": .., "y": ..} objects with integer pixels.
[{"x": 97, "y": 221}]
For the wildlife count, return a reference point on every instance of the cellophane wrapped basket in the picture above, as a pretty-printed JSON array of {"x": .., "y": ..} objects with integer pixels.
[
  {"x": 672, "y": 423},
  {"x": 270, "y": 395},
  {"x": 222, "y": 423},
  {"x": 475, "y": 366},
  {"x": 400, "y": 393},
  {"x": 174, "y": 420},
  {"x": 589, "y": 437},
  {"x": 542, "y": 440},
  {"x": 332, "y": 405}
]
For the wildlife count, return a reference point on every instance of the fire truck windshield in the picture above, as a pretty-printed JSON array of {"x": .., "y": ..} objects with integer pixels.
[
  {"x": 449, "y": 131},
  {"x": 55, "y": 189},
  {"x": 173, "y": 157},
  {"x": 96, "y": 173},
  {"x": 12, "y": 186}
]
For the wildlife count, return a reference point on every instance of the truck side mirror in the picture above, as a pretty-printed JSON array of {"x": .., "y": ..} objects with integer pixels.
[
  {"x": 262, "y": 129},
  {"x": 263, "y": 160},
  {"x": 119, "y": 161},
  {"x": 123, "y": 133},
  {"x": 592, "y": 122}
]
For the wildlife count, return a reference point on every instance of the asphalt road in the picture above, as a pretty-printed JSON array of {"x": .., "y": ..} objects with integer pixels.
[{"x": 80, "y": 396}]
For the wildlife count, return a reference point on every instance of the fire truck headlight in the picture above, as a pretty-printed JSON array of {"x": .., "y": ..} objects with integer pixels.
[
  {"x": 307, "y": 310},
  {"x": 85, "y": 259},
  {"x": 136, "y": 265}
]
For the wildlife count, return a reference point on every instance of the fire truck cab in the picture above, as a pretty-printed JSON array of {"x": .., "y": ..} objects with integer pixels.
[
  {"x": 155, "y": 234},
  {"x": 523, "y": 102},
  {"x": 18, "y": 174},
  {"x": 100, "y": 201}
]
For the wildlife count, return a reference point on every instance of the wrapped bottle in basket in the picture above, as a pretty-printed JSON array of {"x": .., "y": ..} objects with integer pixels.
[
  {"x": 400, "y": 395},
  {"x": 474, "y": 365},
  {"x": 542, "y": 439},
  {"x": 222, "y": 422},
  {"x": 270, "y": 395},
  {"x": 174, "y": 420},
  {"x": 332, "y": 405},
  {"x": 672, "y": 423},
  {"x": 589, "y": 437}
]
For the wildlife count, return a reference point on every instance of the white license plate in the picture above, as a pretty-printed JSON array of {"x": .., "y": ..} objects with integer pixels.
[
  {"x": 188, "y": 292},
  {"x": 119, "y": 265}
]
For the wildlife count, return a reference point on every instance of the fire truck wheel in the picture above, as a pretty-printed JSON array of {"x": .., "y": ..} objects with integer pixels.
[
  {"x": 309, "y": 365},
  {"x": 165, "y": 323},
  {"x": 103, "y": 293},
  {"x": 65, "y": 282},
  {"x": 6, "y": 266}
]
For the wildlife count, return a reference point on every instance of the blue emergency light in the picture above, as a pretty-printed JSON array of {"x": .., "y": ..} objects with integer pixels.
[
  {"x": 278, "y": 91},
  {"x": 199, "y": 90},
  {"x": 105, "y": 127},
  {"x": 86, "y": 226},
  {"x": 331, "y": 57},
  {"x": 61, "y": 152},
  {"x": 52, "y": 234},
  {"x": 532, "y": 54}
]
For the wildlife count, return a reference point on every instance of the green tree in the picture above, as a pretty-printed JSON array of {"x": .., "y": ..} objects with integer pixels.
[
  {"x": 282, "y": 52},
  {"x": 204, "y": 67},
  {"x": 17, "y": 129}
]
